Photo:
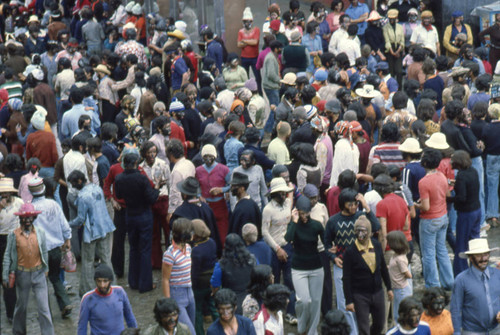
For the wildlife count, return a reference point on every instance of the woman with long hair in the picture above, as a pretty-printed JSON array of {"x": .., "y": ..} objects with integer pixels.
[{"x": 260, "y": 278}]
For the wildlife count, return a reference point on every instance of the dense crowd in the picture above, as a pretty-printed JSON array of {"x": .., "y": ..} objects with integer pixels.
[{"x": 330, "y": 153}]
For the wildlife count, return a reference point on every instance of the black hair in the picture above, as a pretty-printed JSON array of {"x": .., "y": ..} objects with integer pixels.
[
  {"x": 130, "y": 34},
  {"x": 432, "y": 293},
  {"x": 276, "y": 297},
  {"x": 160, "y": 122},
  {"x": 335, "y": 3},
  {"x": 453, "y": 109},
  {"x": 483, "y": 82},
  {"x": 396, "y": 240},
  {"x": 50, "y": 187},
  {"x": 406, "y": 306},
  {"x": 442, "y": 63},
  {"x": 335, "y": 323},
  {"x": 431, "y": 158},
  {"x": 132, "y": 58},
  {"x": 378, "y": 169},
  {"x": 259, "y": 281},
  {"x": 400, "y": 100},
  {"x": 291, "y": 92},
  {"x": 429, "y": 93},
  {"x": 109, "y": 130},
  {"x": 343, "y": 17},
  {"x": 352, "y": 30},
  {"x": 225, "y": 296},
  {"x": 82, "y": 119},
  {"x": 343, "y": 61},
  {"x": 419, "y": 54},
  {"x": 346, "y": 195},
  {"x": 94, "y": 144},
  {"x": 461, "y": 160},
  {"x": 278, "y": 169},
  {"x": 34, "y": 164},
  {"x": 390, "y": 132},
  {"x": 78, "y": 141},
  {"x": 359, "y": 109},
  {"x": 326, "y": 58},
  {"x": 165, "y": 306},
  {"x": 175, "y": 148},
  {"x": 426, "y": 109},
  {"x": 308, "y": 93},
  {"x": 76, "y": 96},
  {"x": 275, "y": 45},
  {"x": 13, "y": 162},
  {"x": 472, "y": 66},
  {"x": 252, "y": 135},
  {"x": 130, "y": 160},
  {"x": 311, "y": 27},
  {"x": 294, "y": 4},
  {"x": 304, "y": 153},
  {"x": 145, "y": 148},
  {"x": 235, "y": 252},
  {"x": 480, "y": 110},
  {"x": 75, "y": 176},
  {"x": 347, "y": 179}
]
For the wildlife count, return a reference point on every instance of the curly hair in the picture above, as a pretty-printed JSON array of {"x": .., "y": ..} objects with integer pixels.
[
  {"x": 145, "y": 148},
  {"x": 335, "y": 323},
  {"x": 259, "y": 281},
  {"x": 433, "y": 293},
  {"x": 276, "y": 297},
  {"x": 165, "y": 306},
  {"x": 225, "y": 296},
  {"x": 406, "y": 306},
  {"x": 235, "y": 252}
]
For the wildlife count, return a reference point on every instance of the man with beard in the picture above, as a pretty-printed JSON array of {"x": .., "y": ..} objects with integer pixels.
[
  {"x": 284, "y": 110},
  {"x": 106, "y": 307},
  {"x": 128, "y": 105},
  {"x": 229, "y": 321},
  {"x": 167, "y": 315},
  {"x": 475, "y": 307},
  {"x": 246, "y": 210},
  {"x": 466, "y": 53},
  {"x": 303, "y": 132},
  {"x": 409, "y": 322}
]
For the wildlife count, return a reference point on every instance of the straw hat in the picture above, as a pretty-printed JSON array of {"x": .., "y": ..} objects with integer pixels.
[
  {"x": 411, "y": 146},
  {"x": 437, "y": 141},
  {"x": 279, "y": 185},
  {"x": 393, "y": 14},
  {"x": 426, "y": 13},
  {"x": 177, "y": 34},
  {"x": 103, "y": 69},
  {"x": 477, "y": 246},
  {"x": 368, "y": 91},
  {"x": 7, "y": 185}
]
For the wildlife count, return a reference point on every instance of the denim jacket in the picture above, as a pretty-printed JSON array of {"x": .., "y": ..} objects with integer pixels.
[{"x": 10, "y": 256}]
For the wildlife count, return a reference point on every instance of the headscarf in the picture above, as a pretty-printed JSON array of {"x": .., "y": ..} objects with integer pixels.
[
  {"x": 244, "y": 94},
  {"x": 344, "y": 128},
  {"x": 4, "y": 96}
]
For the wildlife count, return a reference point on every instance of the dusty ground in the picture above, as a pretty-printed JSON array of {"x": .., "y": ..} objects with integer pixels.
[{"x": 142, "y": 304}]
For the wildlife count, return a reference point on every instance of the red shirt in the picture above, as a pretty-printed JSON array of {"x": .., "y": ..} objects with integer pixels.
[
  {"x": 395, "y": 210},
  {"x": 194, "y": 61},
  {"x": 140, "y": 24},
  {"x": 42, "y": 145},
  {"x": 249, "y": 51},
  {"x": 433, "y": 187},
  {"x": 332, "y": 200}
]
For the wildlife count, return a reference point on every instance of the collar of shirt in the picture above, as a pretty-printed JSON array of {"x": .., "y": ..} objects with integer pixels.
[
  {"x": 363, "y": 249},
  {"x": 477, "y": 273}
]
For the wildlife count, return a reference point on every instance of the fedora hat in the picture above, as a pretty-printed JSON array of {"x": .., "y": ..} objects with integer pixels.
[
  {"x": 477, "y": 246},
  {"x": 368, "y": 91},
  {"x": 279, "y": 185},
  {"x": 189, "y": 186},
  {"x": 27, "y": 209},
  {"x": 437, "y": 141},
  {"x": 7, "y": 185},
  {"x": 289, "y": 79},
  {"x": 459, "y": 71},
  {"x": 239, "y": 179},
  {"x": 103, "y": 69},
  {"x": 411, "y": 146}
]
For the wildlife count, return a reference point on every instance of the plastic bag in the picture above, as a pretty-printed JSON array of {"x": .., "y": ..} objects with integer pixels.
[{"x": 68, "y": 261}]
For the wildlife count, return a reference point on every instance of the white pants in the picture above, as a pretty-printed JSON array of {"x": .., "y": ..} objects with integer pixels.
[{"x": 308, "y": 286}]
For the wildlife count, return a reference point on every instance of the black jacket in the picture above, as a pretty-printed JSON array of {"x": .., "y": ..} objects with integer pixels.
[{"x": 135, "y": 188}]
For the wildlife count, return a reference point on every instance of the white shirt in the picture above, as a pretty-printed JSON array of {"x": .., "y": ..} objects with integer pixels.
[
  {"x": 428, "y": 39},
  {"x": 339, "y": 35},
  {"x": 182, "y": 169},
  {"x": 351, "y": 48},
  {"x": 8, "y": 221},
  {"x": 273, "y": 325},
  {"x": 119, "y": 16},
  {"x": 372, "y": 198},
  {"x": 346, "y": 156},
  {"x": 74, "y": 160}
]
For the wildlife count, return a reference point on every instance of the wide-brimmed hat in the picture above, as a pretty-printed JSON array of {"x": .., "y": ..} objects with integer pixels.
[
  {"x": 477, "y": 246},
  {"x": 36, "y": 186},
  {"x": 103, "y": 69},
  {"x": 27, "y": 209},
  {"x": 437, "y": 141},
  {"x": 189, "y": 186},
  {"x": 7, "y": 185},
  {"x": 289, "y": 79},
  {"x": 368, "y": 91},
  {"x": 278, "y": 184},
  {"x": 393, "y": 14},
  {"x": 177, "y": 34},
  {"x": 459, "y": 71},
  {"x": 374, "y": 16},
  {"x": 411, "y": 146},
  {"x": 33, "y": 18},
  {"x": 239, "y": 179}
]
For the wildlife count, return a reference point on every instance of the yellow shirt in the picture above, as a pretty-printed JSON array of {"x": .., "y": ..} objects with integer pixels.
[{"x": 368, "y": 254}]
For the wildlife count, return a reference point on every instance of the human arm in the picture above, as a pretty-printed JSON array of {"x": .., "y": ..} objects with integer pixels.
[
  {"x": 382, "y": 236},
  {"x": 216, "y": 279},
  {"x": 81, "y": 217},
  {"x": 329, "y": 238},
  {"x": 446, "y": 41},
  {"x": 387, "y": 39},
  {"x": 384, "y": 270},
  {"x": 263, "y": 189},
  {"x": 83, "y": 318},
  {"x": 292, "y": 226},
  {"x": 166, "y": 271},
  {"x": 174, "y": 199},
  {"x": 6, "y": 262},
  {"x": 456, "y": 306},
  {"x": 127, "y": 312}
]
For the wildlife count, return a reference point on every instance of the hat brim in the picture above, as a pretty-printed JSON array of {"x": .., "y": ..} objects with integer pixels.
[
  {"x": 287, "y": 82},
  {"x": 466, "y": 254},
  {"x": 410, "y": 150},
  {"x": 185, "y": 191},
  {"x": 363, "y": 94},
  {"x": 8, "y": 190},
  {"x": 281, "y": 189},
  {"x": 437, "y": 146},
  {"x": 27, "y": 213}
]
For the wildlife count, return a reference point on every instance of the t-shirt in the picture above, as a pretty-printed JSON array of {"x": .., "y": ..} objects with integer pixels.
[
  {"x": 440, "y": 324},
  {"x": 433, "y": 187},
  {"x": 181, "y": 265},
  {"x": 422, "y": 329},
  {"x": 249, "y": 51},
  {"x": 398, "y": 265},
  {"x": 395, "y": 210}
]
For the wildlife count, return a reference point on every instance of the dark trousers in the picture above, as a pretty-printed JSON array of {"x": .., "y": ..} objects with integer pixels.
[
  {"x": 286, "y": 268},
  {"x": 450, "y": 238},
  {"x": 366, "y": 304},
  {"x": 326, "y": 298},
  {"x": 9, "y": 294},
  {"x": 118, "y": 251},
  {"x": 248, "y": 63},
  {"x": 140, "y": 233},
  {"x": 396, "y": 67},
  {"x": 55, "y": 279},
  {"x": 468, "y": 227},
  {"x": 160, "y": 211},
  {"x": 203, "y": 298}
]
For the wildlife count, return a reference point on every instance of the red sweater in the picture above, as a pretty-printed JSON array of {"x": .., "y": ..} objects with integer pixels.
[
  {"x": 214, "y": 178},
  {"x": 114, "y": 171},
  {"x": 42, "y": 145}
]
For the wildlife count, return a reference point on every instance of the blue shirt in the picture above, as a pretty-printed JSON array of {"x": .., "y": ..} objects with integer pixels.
[
  {"x": 469, "y": 308},
  {"x": 411, "y": 175},
  {"x": 324, "y": 29},
  {"x": 92, "y": 213},
  {"x": 355, "y": 13},
  {"x": 231, "y": 148},
  {"x": 245, "y": 327},
  {"x": 477, "y": 97},
  {"x": 312, "y": 45},
  {"x": 262, "y": 252},
  {"x": 178, "y": 69},
  {"x": 105, "y": 313},
  {"x": 52, "y": 221},
  {"x": 422, "y": 329},
  {"x": 476, "y": 60},
  {"x": 214, "y": 51},
  {"x": 69, "y": 125}
]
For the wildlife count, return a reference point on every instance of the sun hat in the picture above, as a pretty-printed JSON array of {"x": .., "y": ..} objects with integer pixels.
[
  {"x": 278, "y": 184},
  {"x": 33, "y": 18},
  {"x": 426, "y": 13},
  {"x": 477, "y": 246},
  {"x": 289, "y": 79},
  {"x": 374, "y": 16},
  {"x": 393, "y": 14},
  {"x": 103, "y": 271},
  {"x": 458, "y": 71},
  {"x": 36, "y": 186},
  {"x": 7, "y": 185},
  {"x": 457, "y": 13},
  {"x": 247, "y": 14},
  {"x": 437, "y": 141},
  {"x": 176, "y": 106},
  {"x": 27, "y": 209},
  {"x": 367, "y": 91},
  {"x": 239, "y": 179},
  {"x": 413, "y": 11},
  {"x": 310, "y": 191},
  {"x": 275, "y": 25},
  {"x": 200, "y": 228},
  {"x": 303, "y": 204},
  {"x": 209, "y": 149},
  {"x": 189, "y": 186},
  {"x": 410, "y": 145},
  {"x": 103, "y": 69},
  {"x": 177, "y": 34}
]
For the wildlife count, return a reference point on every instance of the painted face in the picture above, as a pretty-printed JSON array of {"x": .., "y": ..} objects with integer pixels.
[
  {"x": 437, "y": 306},
  {"x": 26, "y": 221},
  {"x": 273, "y": 16},
  {"x": 314, "y": 201},
  {"x": 246, "y": 161},
  {"x": 361, "y": 234},
  {"x": 151, "y": 155},
  {"x": 413, "y": 318},
  {"x": 426, "y": 21},
  {"x": 412, "y": 18},
  {"x": 480, "y": 261},
  {"x": 247, "y": 24},
  {"x": 226, "y": 312},
  {"x": 169, "y": 321},
  {"x": 103, "y": 285},
  {"x": 281, "y": 198},
  {"x": 208, "y": 160},
  {"x": 285, "y": 175},
  {"x": 304, "y": 216},
  {"x": 234, "y": 190},
  {"x": 165, "y": 131}
]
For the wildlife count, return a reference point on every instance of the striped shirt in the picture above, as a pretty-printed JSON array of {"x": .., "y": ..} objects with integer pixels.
[
  {"x": 181, "y": 265},
  {"x": 388, "y": 154}
]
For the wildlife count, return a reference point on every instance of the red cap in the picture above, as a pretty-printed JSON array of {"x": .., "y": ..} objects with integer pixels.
[
  {"x": 275, "y": 25},
  {"x": 321, "y": 105}
]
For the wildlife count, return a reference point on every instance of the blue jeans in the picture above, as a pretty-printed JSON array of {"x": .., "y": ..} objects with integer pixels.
[
  {"x": 399, "y": 295},
  {"x": 46, "y": 172},
  {"x": 477, "y": 163},
  {"x": 432, "y": 242},
  {"x": 286, "y": 268},
  {"x": 187, "y": 308},
  {"x": 468, "y": 226},
  {"x": 339, "y": 287},
  {"x": 140, "y": 235},
  {"x": 492, "y": 175}
]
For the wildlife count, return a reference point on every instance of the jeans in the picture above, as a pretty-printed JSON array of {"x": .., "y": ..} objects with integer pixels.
[
  {"x": 432, "y": 242},
  {"x": 366, "y": 304},
  {"x": 100, "y": 248},
  {"x": 286, "y": 268},
  {"x": 468, "y": 226},
  {"x": 187, "y": 309},
  {"x": 326, "y": 298},
  {"x": 140, "y": 234},
  {"x": 273, "y": 96},
  {"x": 308, "y": 305},
  {"x": 492, "y": 175},
  {"x": 477, "y": 163},
  {"x": 399, "y": 295},
  {"x": 55, "y": 279},
  {"x": 339, "y": 287},
  {"x": 9, "y": 294},
  {"x": 46, "y": 172},
  {"x": 75, "y": 235}
]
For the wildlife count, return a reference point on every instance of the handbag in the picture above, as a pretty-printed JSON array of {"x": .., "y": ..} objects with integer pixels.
[{"x": 68, "y": 261}]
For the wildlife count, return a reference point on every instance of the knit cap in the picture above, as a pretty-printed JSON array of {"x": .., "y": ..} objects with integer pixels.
[
  {"x": 103, "y": 271},
  {"x": 176, "y": 106}
]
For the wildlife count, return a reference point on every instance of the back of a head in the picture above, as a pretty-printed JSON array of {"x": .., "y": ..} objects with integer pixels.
[
  {"x": 335, "y": 323},
  {"x": 175, "y": 148},
  {"x": 352, "y": 30},
  {"x": 453, "y": 109},
  {"x": 390, "y": 132},
  {"x": 347, "y": 179},
  {"x": 400, "y": 100}
]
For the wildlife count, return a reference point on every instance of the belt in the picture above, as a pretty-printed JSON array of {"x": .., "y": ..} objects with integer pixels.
[{"x": 34, "y": 269}]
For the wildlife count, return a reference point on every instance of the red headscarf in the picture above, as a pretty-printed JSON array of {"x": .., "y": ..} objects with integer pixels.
[{"x": 4, "y": 97}]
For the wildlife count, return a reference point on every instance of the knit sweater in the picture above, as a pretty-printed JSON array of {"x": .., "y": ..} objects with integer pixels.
[
  {"x": 304, "y": 237},
  {"x": 271, "y": 72}
]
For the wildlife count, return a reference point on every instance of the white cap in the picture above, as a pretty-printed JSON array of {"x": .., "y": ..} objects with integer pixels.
[{"x": 247, "y": 14}]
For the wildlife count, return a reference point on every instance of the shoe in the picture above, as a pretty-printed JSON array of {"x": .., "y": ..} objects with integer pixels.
[
  {"x": 292, "y": 320},
  {"x": 66, "y": 311},
  {"x": 483, "y": 234}
]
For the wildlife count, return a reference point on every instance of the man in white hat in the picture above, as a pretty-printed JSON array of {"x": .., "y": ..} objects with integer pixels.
[
  {"x": 275, "y": 218},
  {"x": 475, "y": 303}
]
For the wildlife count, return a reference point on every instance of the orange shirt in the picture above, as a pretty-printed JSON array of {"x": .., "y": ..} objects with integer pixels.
[
  {"x": 440, "y": 324},
  {"x": 28, "y": 252},
  {"x": 140, "y": 25}
]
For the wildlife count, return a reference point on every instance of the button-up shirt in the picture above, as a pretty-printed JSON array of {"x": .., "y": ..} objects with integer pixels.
[
  {"x": 469, "y": 308},
  {"x": 355, "y": 13},
  {"x": 73, "y": 160},
  {"x": 8, "y": 221},
  {"x": 275, "y": 220},
  {"x": 92, "y": 214},
  {"x": 64, "y": 80},
  {"x": 427, "y": 38},
  {"x": 52, "y": 221},
  {"x": 158, "y": 172},
  {"x": 70, "y": 119}
]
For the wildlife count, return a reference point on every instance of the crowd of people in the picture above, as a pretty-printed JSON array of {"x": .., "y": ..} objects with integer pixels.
[{"x": 323, "y": 159}]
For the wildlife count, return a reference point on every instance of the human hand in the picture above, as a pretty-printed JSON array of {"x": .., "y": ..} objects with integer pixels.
[
  {"x": 498, "y": 317},
  {"x": 67, "y": 245},
  {"x": 18, "y": 128},
  {"x": 350, "y": 308},
  {"x": 339, "y": 262},
  {"x": 333, "y": 249},
  {"x": 282, "y": 255},
  {"x": 390, "y": 295},
  {"x": 215, "y": 190},
  {"x": 295, "y": 215},
  {"x": 115, "y": 204}
]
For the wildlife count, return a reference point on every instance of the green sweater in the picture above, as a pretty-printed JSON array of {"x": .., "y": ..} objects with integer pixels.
[
  {"x": 271, "y": 72},
  {"x": 304, "y": 237}
]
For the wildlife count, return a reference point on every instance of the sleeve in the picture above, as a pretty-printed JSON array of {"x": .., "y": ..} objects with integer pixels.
[
  {"x": 266, "y": 223},
  {"x": 108, "y": 181},
  {"x": 65, "y": 228},
  {"x": 168, "y": 258},
  {"x": 402, "y": 264},
  {"x": 484, "y": 33},
  {"x": 456, "y": 306},
  {"x": 387, "y": 40},
  {"x": 321, "y": 157},
  {"x": 174, "y": 200},
  {"x": 6, "y": 257},
  {"x": 127, "y": 311},
  {"x": 381, "y": 210},
  {"x": 301, "y": 179},
  {"x": 470, "y": 38},
  {"x": 460, "y": 189},
  {"x": 216, "y": 279},
  {"x": 329, "y": 237},
  {"x": 347, "y": 276},
  {"x": 446, "y": 40},
  {"x": 83, "y": 319},
  {"x": 82, "y": 213},
  {"x": 290, "y": 232},
  {"x": 383, "y": 268},
  {"x": 263, "y": 189},
  {"x": 373, "y": 220},
  {"x": 414, "y": 36}
]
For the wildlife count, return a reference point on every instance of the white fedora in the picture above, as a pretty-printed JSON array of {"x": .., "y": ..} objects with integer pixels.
[{"x": 477, "y": 246}]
